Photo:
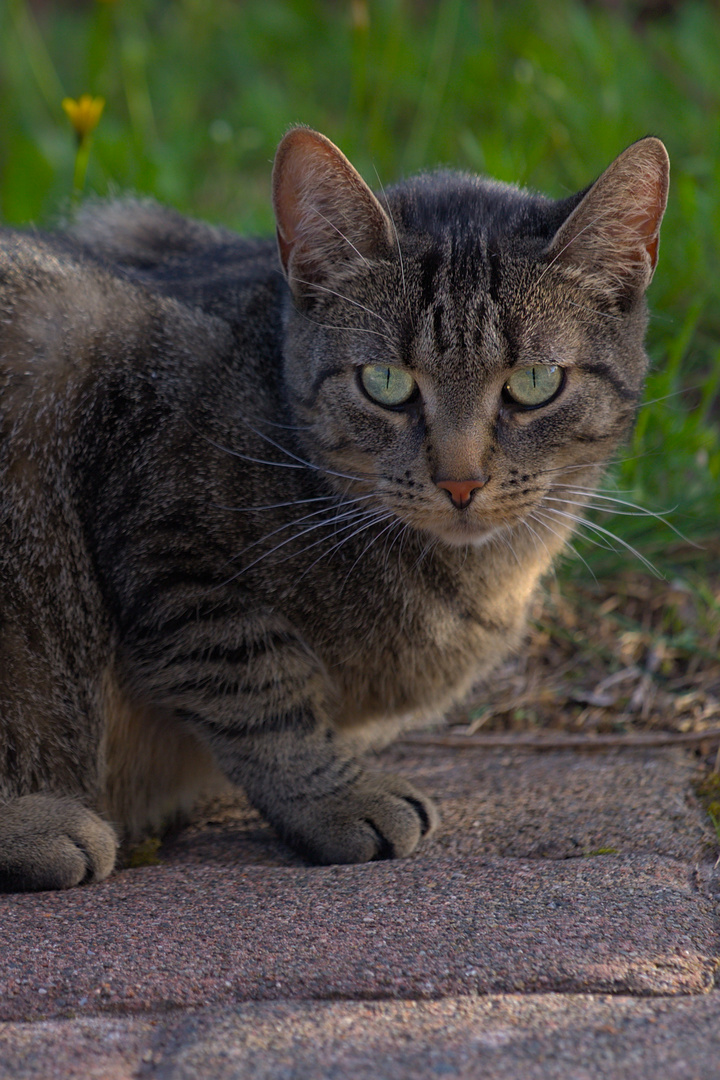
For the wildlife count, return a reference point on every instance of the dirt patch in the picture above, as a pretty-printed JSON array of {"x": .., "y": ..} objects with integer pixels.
[{"x": 631, "y": 654}]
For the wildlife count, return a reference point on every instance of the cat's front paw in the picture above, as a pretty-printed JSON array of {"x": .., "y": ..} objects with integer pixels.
[
  {"x": 52, "y": 842},
  {"x": 378, "y": 817}
]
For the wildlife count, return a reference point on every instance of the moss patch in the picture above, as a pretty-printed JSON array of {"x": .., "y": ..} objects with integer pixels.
[
  {"x": 708, "y": 792},
  {"x": 143, "y": 854}
]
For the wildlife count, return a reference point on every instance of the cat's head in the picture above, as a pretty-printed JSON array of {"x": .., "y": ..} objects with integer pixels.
[{"x": 468, "y": 353}]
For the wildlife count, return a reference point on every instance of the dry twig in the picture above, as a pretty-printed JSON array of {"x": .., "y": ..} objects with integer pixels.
[{"x": 565, "y": 741}]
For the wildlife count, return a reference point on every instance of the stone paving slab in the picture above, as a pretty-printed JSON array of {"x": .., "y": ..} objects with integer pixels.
[
  {"x": 561, "y": 804},
  {"x": 500, "y": 1037},
  {"x": 232, "y": 935},
  {"x": 174, "y": 936}
]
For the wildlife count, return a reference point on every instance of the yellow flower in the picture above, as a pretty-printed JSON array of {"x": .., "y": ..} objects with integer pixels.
[{"x": 84, "y": 114}]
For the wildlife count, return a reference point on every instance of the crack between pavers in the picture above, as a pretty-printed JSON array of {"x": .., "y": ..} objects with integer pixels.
[{"x": 169, "y": 1009}]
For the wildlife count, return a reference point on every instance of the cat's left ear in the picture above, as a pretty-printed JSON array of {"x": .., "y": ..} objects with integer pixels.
[
  {"x": 613, "y": 235},
  {"x": 327, "y": 217}
]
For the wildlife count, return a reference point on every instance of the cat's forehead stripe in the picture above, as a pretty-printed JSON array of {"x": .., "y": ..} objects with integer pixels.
[{"x": 429, "y": 265}]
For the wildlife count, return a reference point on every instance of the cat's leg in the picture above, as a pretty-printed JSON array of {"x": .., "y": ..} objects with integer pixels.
[
  {"x": 51, "y": 760},
  {"x": 257, "y": 696},
  {"x": 326, "y": 805},
  {"x": 298, "y": 770}
]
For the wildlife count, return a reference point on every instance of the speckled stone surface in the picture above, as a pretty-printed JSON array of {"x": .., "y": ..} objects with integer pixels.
[
  {"x": 555, "y": 878},
  {"x": 168, "y": 937},
  {"x": 507, "y": 1037}
]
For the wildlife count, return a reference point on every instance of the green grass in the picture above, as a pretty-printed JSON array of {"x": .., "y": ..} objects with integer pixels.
[{"x": 538, "y": 92}]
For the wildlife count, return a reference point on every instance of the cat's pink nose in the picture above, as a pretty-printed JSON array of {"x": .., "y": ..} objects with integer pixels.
[{"x": 461, "y": 491}]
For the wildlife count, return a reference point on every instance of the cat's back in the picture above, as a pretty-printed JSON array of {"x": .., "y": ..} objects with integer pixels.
[
  {"x": 127, "y": 284},
  {"x": 201, "y": 265}
]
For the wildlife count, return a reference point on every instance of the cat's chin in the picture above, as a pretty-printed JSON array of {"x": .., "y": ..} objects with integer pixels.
[{"x": 466, "y": 536}]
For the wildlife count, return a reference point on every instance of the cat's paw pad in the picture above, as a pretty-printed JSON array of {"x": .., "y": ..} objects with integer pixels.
[
  {"x": 378, "y": 817},
  {"x": 52, "y": 842}
]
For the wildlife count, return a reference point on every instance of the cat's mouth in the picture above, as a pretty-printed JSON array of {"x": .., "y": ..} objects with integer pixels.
[
  {"x": 465, "y": 531},
  {"x": 458, "y": 529}
]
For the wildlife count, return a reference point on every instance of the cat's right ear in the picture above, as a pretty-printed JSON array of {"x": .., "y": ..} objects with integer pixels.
[
  {"x": 612, "y": 235},
  {"x": 327, "y": 217}
]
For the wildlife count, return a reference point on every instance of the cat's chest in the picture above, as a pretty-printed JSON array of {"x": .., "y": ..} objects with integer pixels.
[{"x": 417, "y": 642}]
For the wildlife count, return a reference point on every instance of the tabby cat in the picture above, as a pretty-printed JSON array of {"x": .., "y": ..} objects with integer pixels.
[{"x": 258, "y": 498}]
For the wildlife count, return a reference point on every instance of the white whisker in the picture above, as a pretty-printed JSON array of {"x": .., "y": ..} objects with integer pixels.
[
  {"x": 397, "y": 238},
  {"x": 306, "y": 517},
  {"x": 347, "y": 329},
  {"x": 400, "y": 536},
  {"x": 433, "y": 543},
  {"x": 342, "y": 234},
  {"x": 565, "y": 541},
  {"x": 602, "y": 531},
  {"x": 290, "y": 454},
  {"x": 373, "y": 540},
  {"x": 302, "y": 463},
  {"x": 588, "y": 504},
  {"x": 326, "y": 554},
  {"x": 635, "y": 509},
  {"x": 286, "y": 427},
  {"x": 303, "y": 532},
  {"x": 341, "y": 296},
  {"x": 593, "y": 311},
  {"x": 501, "y": 537},
  {"x": 570, "y": 242},
  {"x": 536, "y": 536},
  {"x": 594, "y": 540},
  {"x": 276, "y": 506}
]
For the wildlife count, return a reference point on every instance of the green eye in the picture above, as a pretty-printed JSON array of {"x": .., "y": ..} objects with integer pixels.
[
  {"x": 388, "y": 385},
  {"x": 534, "y": 385}
]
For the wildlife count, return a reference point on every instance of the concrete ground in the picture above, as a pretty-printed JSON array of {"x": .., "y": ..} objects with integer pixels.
[{"x": 565, "y": 923}]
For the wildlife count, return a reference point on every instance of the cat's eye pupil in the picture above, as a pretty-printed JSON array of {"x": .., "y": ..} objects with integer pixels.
[
  {"x": 387, "y": 384},
  {"x": 535, "y": 385}
]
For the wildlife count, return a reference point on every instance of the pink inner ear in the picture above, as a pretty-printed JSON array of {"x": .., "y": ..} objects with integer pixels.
[
  {"x": 296, "y": 159},
  {"x": 647, "y": 230},
  {"x": 652, "y": 249},
  {"x": 645, "y": 222},
  {"x": 615, "y": 228}
]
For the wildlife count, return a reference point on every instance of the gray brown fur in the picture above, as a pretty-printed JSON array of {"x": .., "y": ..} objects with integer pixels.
[{"x": 176, "y": 612}]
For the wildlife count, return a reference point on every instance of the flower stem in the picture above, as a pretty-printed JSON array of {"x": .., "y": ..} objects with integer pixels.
[{"x": 82, "y": 157}]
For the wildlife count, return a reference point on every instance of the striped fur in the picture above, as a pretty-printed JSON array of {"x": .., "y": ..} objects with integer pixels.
[{"x": 222, "y": 562}]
